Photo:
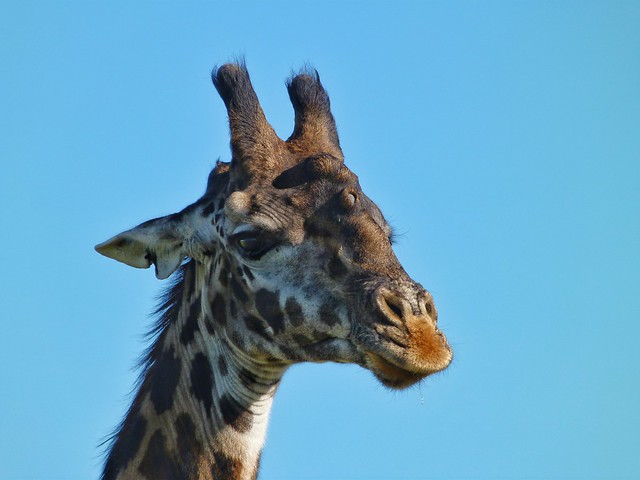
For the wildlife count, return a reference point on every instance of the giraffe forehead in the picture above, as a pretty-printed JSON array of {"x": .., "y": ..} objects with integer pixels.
[
  {"x": 330, "y": 197},
  {"x": 304, "y": 183}
]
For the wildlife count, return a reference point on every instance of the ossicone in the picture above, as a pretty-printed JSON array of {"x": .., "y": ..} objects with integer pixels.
[{"x": 314, "y": 123}]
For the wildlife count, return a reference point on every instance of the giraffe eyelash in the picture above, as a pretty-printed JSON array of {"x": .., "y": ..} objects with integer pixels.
[{"x": 395, "y": 236}]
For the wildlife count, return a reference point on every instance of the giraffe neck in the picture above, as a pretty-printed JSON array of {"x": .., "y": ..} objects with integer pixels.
[{"x": 202, "y": 408}]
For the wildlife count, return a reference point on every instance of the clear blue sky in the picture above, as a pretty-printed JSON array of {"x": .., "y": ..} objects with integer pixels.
[{"x": 501, "y": 138}]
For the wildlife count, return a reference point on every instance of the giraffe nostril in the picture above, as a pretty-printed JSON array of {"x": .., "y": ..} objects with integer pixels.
[
  {"x": 390, "y": 305},
  {"x": 429, "y": 307},
  {"x": 394, "y": 308}
]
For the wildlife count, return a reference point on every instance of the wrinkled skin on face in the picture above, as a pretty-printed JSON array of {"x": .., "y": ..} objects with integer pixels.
[{"x": 297, "y": 259}]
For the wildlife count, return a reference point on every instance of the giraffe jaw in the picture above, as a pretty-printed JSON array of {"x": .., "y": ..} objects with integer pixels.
[
  {"x": 389, "y": 374},
  {"x": 392, "y": 376}
]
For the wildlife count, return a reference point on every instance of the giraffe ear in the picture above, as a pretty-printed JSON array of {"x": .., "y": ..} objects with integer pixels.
[{"x": 160, "y": 242}]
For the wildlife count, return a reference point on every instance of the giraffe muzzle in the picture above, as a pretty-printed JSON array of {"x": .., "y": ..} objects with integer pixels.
[{"x": 407, "y": 345}]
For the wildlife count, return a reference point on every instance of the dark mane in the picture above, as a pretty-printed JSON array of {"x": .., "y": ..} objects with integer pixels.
[
  {"x": 128, "y": 430},
  {"x": 165, "y": 312}
]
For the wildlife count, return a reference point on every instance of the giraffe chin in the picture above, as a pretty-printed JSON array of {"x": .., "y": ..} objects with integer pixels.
[{"x": 393, "y": 376}]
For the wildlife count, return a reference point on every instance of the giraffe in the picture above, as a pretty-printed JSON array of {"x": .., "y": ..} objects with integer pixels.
[{"x": 282, "y": 260}]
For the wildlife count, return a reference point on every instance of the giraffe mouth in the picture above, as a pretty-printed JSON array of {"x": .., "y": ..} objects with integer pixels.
[
  {"x": 391, "y": 375},
  {"x": 401, "y": 362}
]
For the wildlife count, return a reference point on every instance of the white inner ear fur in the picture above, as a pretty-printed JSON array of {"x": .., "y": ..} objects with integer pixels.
[
  {"x": 165, "y": 242},
  {"x": 139, "y": 248}
]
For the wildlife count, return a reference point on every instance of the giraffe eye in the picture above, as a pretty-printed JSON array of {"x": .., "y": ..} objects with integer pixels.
[
  {"x": 249, "y": 244},
  {"x": 253, "y": 245}
]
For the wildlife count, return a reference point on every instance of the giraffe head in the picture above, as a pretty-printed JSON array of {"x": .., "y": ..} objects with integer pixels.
[{"x": 295, "y": 263}]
